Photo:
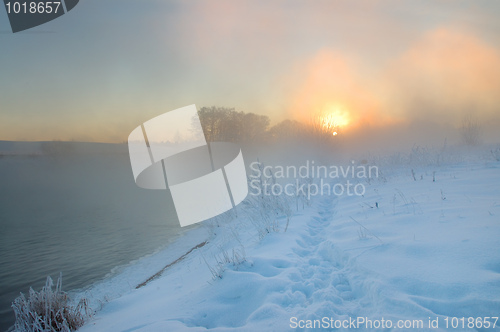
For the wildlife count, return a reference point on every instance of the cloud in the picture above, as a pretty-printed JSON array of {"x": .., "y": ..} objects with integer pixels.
[
  {"x": 280, "y": 58},
  {"x": 331, "y": 79},
  {"x": 443, "y": 75}
]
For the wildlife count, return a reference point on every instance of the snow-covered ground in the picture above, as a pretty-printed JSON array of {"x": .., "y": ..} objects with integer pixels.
[{"x": 421, "y": 247}]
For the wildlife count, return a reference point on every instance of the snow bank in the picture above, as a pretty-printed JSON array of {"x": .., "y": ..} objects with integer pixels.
[{"x": 420, "y": 247}]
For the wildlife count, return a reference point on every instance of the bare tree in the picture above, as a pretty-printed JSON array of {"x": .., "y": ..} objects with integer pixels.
[
  {"x": 225, "y": 124},
  {"x": 212, "y": 119},
  {"x": 470, "y": 130},
  {"x": 287, "y": 130}
]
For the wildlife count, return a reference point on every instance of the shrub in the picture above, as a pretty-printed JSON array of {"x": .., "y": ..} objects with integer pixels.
[
  {"x": 496, "y": 154},
  {"x": 470, "y": 130},
  {"x": 48, "y": 310}
]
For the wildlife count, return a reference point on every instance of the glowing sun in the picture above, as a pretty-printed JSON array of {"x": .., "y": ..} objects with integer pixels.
[{"x": 334, "y": 118}]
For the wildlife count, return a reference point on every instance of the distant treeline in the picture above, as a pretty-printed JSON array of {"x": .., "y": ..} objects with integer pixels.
[
  {"x": 220, "y": 124},
  {"x": 228, "y": 125}
]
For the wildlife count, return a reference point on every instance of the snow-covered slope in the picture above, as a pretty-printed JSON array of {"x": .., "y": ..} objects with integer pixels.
[{"x": 418, "y": 249}]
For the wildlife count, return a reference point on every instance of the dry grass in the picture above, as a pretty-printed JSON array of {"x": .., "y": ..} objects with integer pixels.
[{"x": 48, "y": 310}]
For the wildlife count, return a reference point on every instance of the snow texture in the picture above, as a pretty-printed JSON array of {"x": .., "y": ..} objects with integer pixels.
[{"x": 422, "y": 243}]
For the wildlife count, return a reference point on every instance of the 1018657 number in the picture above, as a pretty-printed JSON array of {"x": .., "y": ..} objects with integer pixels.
[
  {"x": 48, "y": 7},
  {"x": 471, "y": 322}
]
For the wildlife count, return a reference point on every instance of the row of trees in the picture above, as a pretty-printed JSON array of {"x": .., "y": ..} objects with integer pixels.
[{"x": 226, "y": 124}]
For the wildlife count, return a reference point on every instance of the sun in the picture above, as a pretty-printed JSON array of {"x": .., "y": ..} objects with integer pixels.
[{"x": 334, "y": 118}]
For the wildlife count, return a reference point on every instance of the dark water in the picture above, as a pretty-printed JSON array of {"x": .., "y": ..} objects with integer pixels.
[{"x": 80, "y": 214}]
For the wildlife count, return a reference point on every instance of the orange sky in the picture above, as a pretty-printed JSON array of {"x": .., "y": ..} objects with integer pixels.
[
  {"x": 377, "y": 63},
  {"x": 441, "y": 76}
]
